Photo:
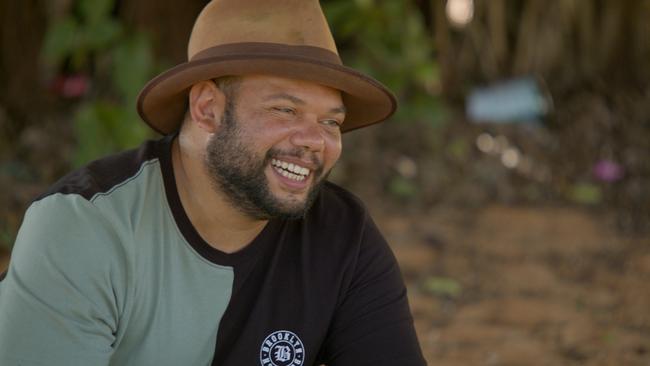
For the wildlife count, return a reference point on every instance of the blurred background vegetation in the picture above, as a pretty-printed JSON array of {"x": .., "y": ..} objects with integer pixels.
[{"x": 70, "y": 71}]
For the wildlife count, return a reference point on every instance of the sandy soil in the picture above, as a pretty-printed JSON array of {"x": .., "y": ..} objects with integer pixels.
[{"x": 522, "y": 286}]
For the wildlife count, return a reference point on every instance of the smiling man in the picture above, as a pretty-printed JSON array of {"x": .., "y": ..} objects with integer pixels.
[{"x": 221, "y": 243}]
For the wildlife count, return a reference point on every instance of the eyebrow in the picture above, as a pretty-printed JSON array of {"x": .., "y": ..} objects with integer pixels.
[{"x": 298, "y": 101}]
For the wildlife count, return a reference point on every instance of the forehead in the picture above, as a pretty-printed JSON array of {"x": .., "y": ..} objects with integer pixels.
[{"x": 263, "y": 86}]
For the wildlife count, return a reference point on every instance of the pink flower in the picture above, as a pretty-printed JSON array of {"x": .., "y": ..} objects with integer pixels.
[
  {"x": 70, "y": 86},
  {"x": 608, "y": 171}
]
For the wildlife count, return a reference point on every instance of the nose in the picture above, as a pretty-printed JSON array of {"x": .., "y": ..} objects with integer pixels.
[{"x": 308, "y": 135}]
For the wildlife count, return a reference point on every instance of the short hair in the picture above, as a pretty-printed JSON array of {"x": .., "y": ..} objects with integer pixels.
[{"x": 228, "y": 85}]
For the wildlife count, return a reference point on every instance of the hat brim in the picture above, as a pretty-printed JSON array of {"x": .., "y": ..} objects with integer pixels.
[{"x": 162, "y": 103}]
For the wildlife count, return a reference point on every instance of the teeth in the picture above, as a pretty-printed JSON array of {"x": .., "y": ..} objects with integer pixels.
[
  {"x": 293, "y": 171},
  {"x": 292, "y": 176}
]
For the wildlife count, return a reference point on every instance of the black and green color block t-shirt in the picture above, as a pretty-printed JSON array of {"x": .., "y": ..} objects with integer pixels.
[{"x": 107, "y": 269}]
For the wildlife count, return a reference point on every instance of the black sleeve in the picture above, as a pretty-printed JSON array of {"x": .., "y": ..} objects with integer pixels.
[{"x": 373, "y": 324}]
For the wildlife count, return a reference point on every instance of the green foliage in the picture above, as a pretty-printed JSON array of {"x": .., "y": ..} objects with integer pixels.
[
  {"x": 7, "y": 237},
  {"x": 61, "y": 40},
  {"x": 388, "y": 39},
  {"x": 132, "y": 65},
  {"x": 119, "y": 62},
  {"x": 459, "y": 149},
  {"x": 442, "y": 286},
  {"x": 402, "y": 187},
  {"x": 102, "y": 127},
  {"x": 585, "y": 193},
  {"x": 78, "y": 36},
  {"x": 95, "y": 11}
]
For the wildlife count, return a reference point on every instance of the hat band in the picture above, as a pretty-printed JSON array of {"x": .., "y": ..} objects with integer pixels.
[{"x": 261, "y": 49}]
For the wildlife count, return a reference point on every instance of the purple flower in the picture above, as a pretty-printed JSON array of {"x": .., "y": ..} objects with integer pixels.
[{"x": 608, "y": 171}]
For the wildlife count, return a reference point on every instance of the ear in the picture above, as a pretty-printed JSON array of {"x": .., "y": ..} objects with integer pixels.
[{"x": 207, "y": 104}]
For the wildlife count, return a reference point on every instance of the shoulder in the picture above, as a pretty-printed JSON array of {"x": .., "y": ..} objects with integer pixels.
[
  {"x": 341, "y": 196},
  {"x": 64, "y": 227},
  {"x": 341, "y": 227},
  {"x": 70, "y": 224},
  {"x": 102, "y": 175},
  {"x": 337, "y": 206},
  {"x": 349, "y": 225}
]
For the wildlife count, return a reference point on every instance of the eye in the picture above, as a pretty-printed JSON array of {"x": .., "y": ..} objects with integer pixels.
[
  {"x": 287, "y": 110},
  {"x": 331, "y": 122}
]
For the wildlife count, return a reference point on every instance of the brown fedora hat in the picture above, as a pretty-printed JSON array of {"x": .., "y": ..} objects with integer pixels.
[{"x": 288, "y": 38}]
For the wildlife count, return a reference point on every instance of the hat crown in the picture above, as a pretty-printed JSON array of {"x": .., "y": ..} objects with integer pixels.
[
  {"x": 291, "y": 22},
  {"x": 285, "y": 38}
]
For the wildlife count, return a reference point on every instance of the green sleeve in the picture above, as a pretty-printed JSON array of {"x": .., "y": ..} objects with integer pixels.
[{"x": 60, "y": 301}]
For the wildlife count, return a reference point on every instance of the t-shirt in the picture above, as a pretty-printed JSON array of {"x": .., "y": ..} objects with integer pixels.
[{"x": 107, "y": 269}]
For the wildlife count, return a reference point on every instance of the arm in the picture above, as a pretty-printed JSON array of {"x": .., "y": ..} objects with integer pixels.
[
  {"x": 373, "y": 324},
  {"x": 57, "y": 304}
]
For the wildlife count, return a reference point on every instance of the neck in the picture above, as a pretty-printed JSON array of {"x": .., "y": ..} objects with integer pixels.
[{"x": 219, "y": 223}]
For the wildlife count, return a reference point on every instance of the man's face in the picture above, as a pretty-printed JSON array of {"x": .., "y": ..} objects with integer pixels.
[{"x": 277, "y": 142}]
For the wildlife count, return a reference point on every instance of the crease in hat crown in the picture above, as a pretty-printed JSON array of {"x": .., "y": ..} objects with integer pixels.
[{"x": 287, "y": 38}]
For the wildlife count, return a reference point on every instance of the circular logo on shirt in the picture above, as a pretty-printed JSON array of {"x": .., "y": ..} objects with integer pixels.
[{"x": 282, "y": 348}]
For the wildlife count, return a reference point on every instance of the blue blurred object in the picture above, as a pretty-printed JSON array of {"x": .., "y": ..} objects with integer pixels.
[{"x": 516, "y": 100}]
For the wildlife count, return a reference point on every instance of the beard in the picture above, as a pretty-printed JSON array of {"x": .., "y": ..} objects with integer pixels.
[{"x": 239, "y": 172}]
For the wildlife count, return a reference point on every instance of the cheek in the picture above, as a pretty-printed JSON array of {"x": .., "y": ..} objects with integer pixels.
[{"x": 333, "y": 151}]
